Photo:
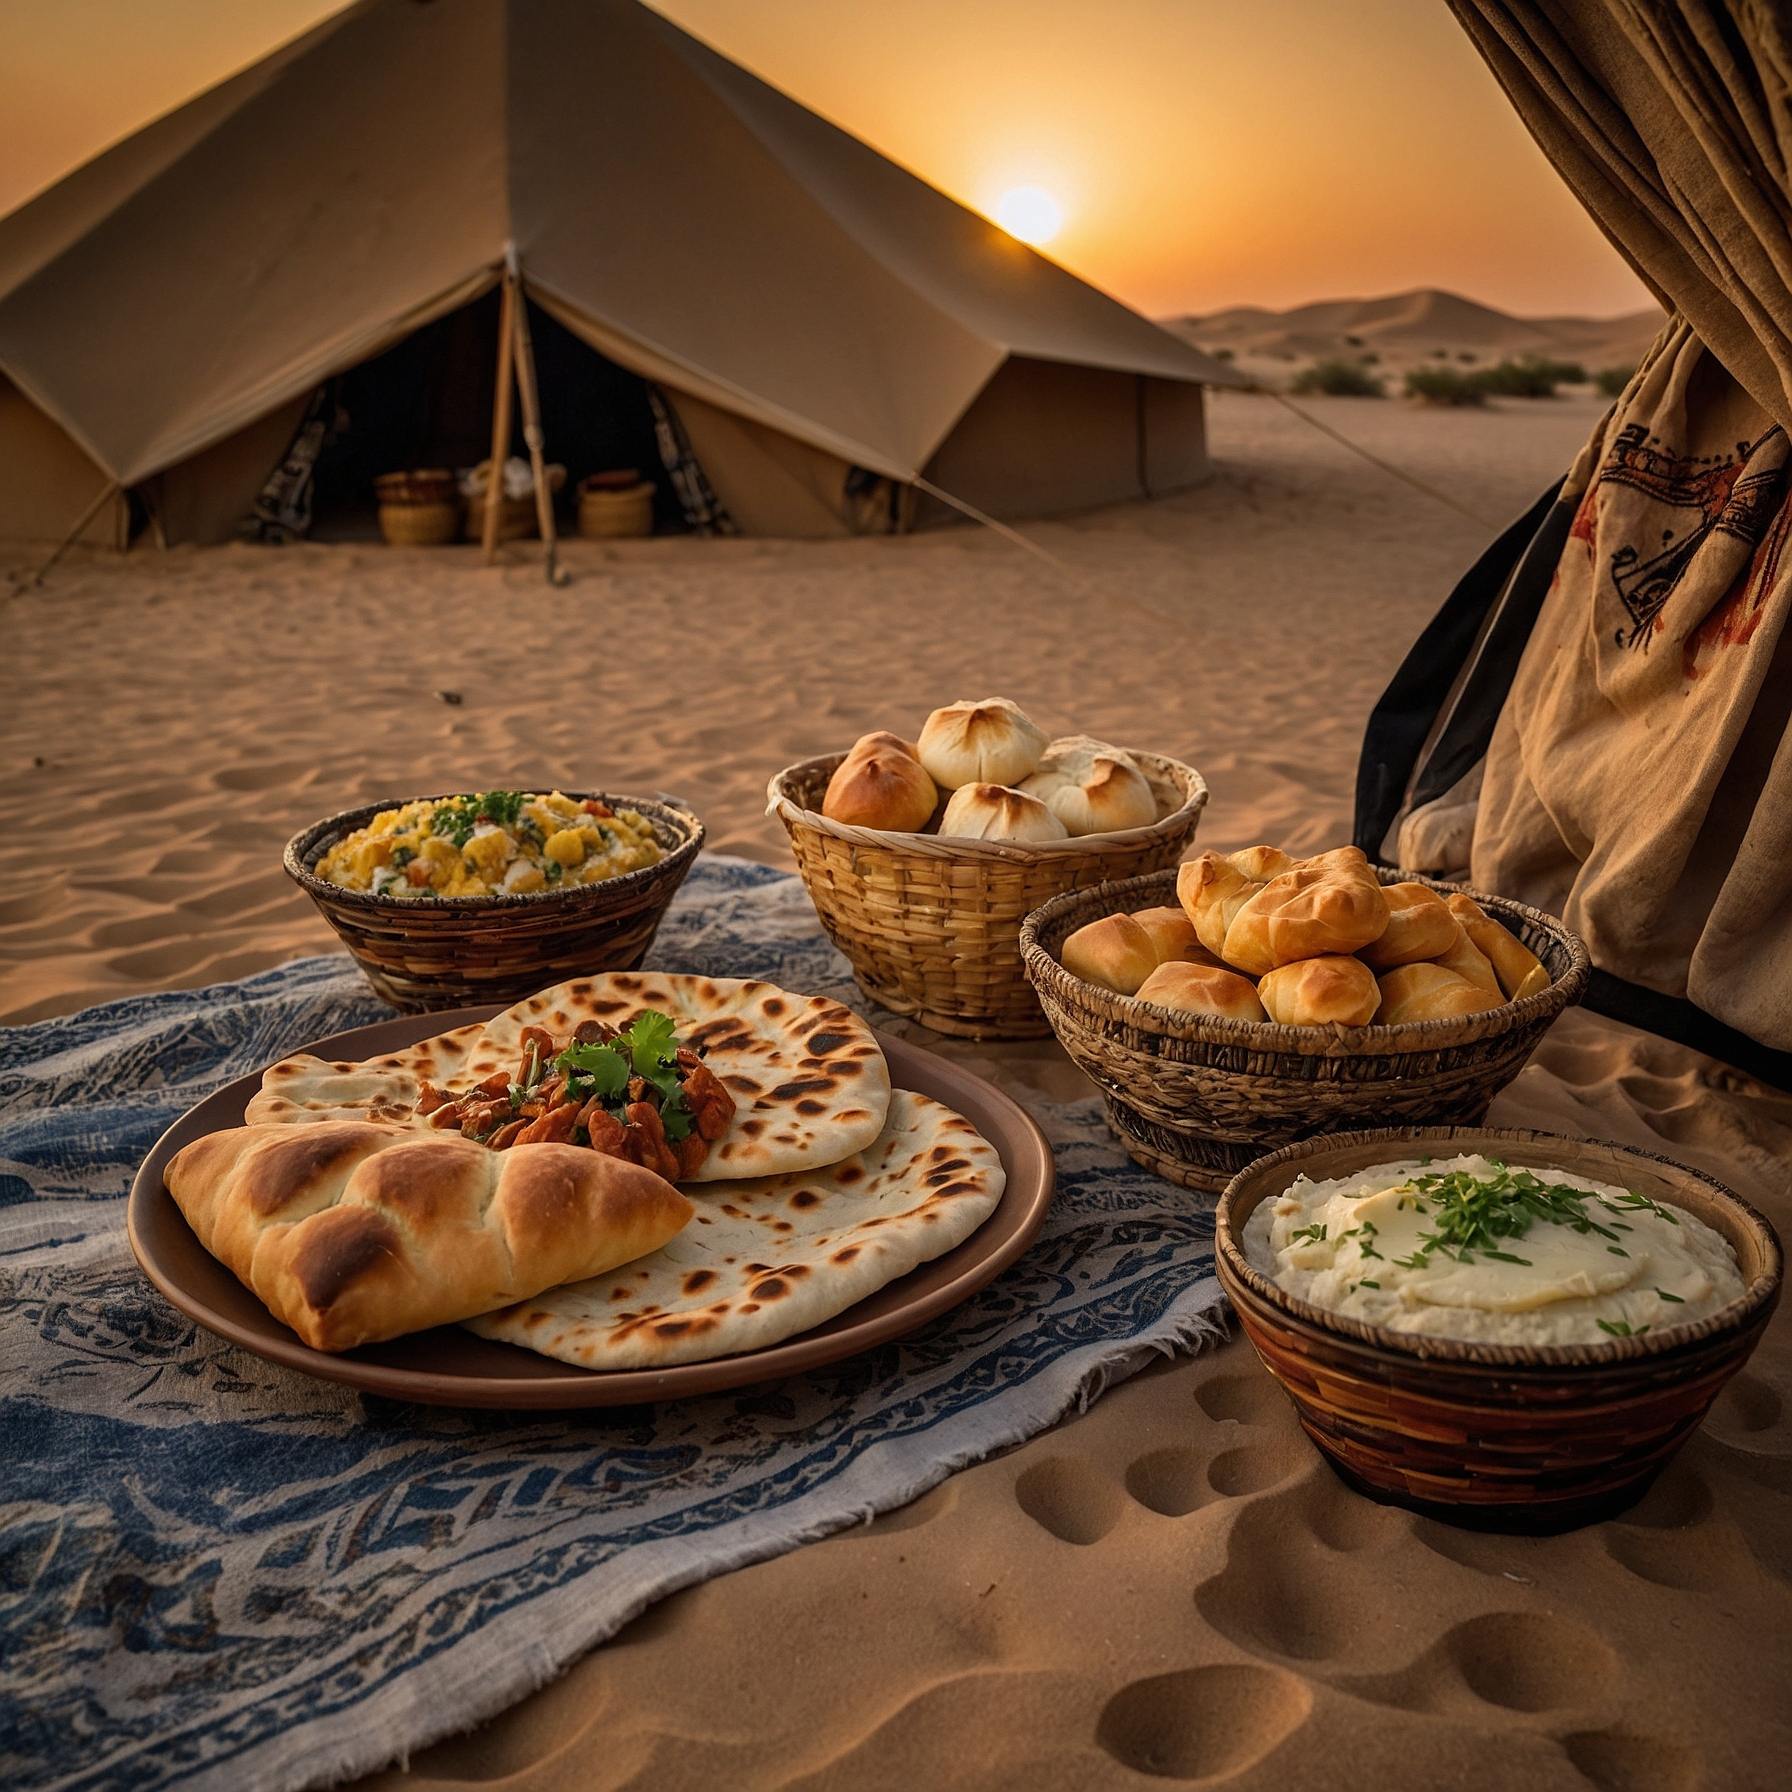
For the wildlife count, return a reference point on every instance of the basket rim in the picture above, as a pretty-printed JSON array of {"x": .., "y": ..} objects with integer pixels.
[
  {"x": 1051, "y": 979},
  {"x": 1365, "y": 1338},
  {"x": 780, "y": 803},
  {"x": 306, "y": 846}
]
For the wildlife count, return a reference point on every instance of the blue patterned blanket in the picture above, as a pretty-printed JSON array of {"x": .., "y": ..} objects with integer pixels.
[{"x": 219, "y": 1573}]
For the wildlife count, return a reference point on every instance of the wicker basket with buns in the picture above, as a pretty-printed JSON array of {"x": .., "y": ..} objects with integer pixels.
[
  {"x": 1197, "y": 1096},
  {"x": 932, "y": 923}
]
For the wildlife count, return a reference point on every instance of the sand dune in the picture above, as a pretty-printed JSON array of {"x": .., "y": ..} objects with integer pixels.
[
  {"x": 1407, "y": 329},
  {"x": 1174, "y": 1585}
]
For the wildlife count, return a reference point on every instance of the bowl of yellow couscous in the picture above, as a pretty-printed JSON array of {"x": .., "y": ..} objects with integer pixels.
[{"x": 448, "y": 901}]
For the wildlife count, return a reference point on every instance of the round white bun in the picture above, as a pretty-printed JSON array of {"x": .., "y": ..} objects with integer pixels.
[
  {"x": 994, "y": 812},
  {"x": 1091, "y": 787},
  {"x": 991, "y": 742}
]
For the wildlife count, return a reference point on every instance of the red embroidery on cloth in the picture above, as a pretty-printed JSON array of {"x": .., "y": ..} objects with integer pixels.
[
  {"x": 1734, "y": 621},
  {"x": 1729, "y": 496}
]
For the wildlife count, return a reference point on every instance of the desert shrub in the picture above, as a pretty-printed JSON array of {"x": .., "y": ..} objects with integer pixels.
[
  {"x": 1536, "y": 376},
  {"x": 1612, "y": 380},
  {"x": 1444, "y": 385},
  {"x": 1339, "y": 379}
]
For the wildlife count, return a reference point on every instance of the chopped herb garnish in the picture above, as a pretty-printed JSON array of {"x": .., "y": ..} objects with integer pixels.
[
  {"x": 501, "y": 807},
  {"x": 1366, "y": 1283},
  {"x": 647, "y": 1048},
  {"x": 1620, "y": 1328},
  {"x": 1678, "y": 1300},
  {"x": 1315, "y": 1233},
  {"x": 1480, "y": 1213}
]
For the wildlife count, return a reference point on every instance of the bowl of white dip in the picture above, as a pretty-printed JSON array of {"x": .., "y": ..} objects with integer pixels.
[{"x": 1503, "y": 1329}]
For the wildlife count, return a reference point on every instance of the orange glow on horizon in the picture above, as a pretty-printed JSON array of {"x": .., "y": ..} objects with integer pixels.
[{"x": 1200, "y": 154}]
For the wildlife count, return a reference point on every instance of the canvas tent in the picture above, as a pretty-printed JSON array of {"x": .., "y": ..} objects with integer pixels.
[
  {"x": 1598, "y": 720},
  {"x": 166, "y": 310}
]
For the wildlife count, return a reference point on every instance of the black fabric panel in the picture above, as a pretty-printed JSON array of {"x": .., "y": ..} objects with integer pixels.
[
  {"x": 1467, "y": 731},
  {"x": 1402, "y": 719},
  {"x": 1673, "y": 1017}
]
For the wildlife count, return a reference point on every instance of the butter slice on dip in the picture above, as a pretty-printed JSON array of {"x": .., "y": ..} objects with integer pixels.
[{"x": 1338, "y": 1244}]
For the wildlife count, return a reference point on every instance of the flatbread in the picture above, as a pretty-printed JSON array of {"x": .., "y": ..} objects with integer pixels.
[
  {"x": 351, "y": 1232},
  {"x": 304, "y": 1088},
  {"x": 809, "y": 1082},
  {"x": 765, "y": 1259}
]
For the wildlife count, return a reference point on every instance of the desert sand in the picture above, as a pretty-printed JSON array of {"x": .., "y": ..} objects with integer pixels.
[{"x": 1173, "y": 1584}]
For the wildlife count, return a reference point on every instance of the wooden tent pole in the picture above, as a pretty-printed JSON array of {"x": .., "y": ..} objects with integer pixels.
[
  {"x": 525, "y": 380},
  {"x": 494, "y": 485}
]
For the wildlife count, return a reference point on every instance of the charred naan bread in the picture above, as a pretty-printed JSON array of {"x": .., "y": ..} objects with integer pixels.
[
  {"x": 766, "y": 1259},
  {"x": 350, "y": 1232},
  {"x": 810, "y": 1085},
  {"x": 304, "y": 1088}
]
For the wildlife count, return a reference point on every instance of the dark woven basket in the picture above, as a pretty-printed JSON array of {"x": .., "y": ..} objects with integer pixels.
[
  {"x": 1536, "y": 1438},
  {"x": 932, "y": 924},
  {"x": 428, "y": 953},
  {"x": 1197, "y": 1097}
]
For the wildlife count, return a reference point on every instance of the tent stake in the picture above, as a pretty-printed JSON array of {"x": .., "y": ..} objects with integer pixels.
[
  {"x": 525, "y": 380},
  {"x": 494, "y": 485},
  {"x": 69, "y": 540}
]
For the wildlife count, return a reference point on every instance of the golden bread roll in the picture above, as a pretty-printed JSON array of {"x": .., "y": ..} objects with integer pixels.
[
  {"x": 1512, "y": 960},
  {"x": 1212, "y": 890},
  {"x": 881, "y": 784},
  {"x": 994, "y": 812},
  {"x": 1315, "y": 992},
  {"x": 992, "y": 742},
  {"x": 1174, "y": 938},
  {"x": 1429, "y": 992},
  {"x": 1091, "y": 787},
  {"x": 1115, "y": 952},
  {"x": 1202, "y": 989},
  {"x": 1261, "y": 863},
  {"x": 1317, "y": 910},
  {"x": 1420, "y": 925},
  {"x": 351, "y": 1232},
  {"x": 1533, "y": 983},
  {"x": 1468, "y": 961}
]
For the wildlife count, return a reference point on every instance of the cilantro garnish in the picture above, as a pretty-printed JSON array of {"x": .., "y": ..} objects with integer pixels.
[
  {"x": 647, "y": 1048},
  {"x": 502, "y": 807},
  {"x": 455, "y": 817}
]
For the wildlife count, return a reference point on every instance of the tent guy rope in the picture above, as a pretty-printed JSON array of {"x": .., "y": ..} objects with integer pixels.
[{"x": 1375, "y": 460}]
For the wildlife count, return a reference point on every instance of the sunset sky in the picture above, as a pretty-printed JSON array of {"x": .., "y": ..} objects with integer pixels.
[{"x": 1199, "y": 153}]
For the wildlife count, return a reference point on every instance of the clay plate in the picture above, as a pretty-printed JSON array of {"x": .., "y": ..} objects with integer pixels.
[{"x": 447, "y": 1366}]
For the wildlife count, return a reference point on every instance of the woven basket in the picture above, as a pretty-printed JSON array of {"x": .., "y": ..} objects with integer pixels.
[
  {"x": 516, "y": 518},
  {"x": 607, "y": 512},
  {"x": 419, "y": 525},
  {"x": 427, "y": 953},
  {"x": 931, "y": 925},
  {"x": 1535, "y": 1438},
  {"x": 422, "y": 485},
  {"x": 1196, "y": 1098}
]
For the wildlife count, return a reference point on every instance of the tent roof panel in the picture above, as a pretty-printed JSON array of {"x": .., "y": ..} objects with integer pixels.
[{"x": 312, "y": 209}]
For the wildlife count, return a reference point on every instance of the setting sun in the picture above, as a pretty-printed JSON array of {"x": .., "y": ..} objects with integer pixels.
[{"x": 1029, "y": 213}]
